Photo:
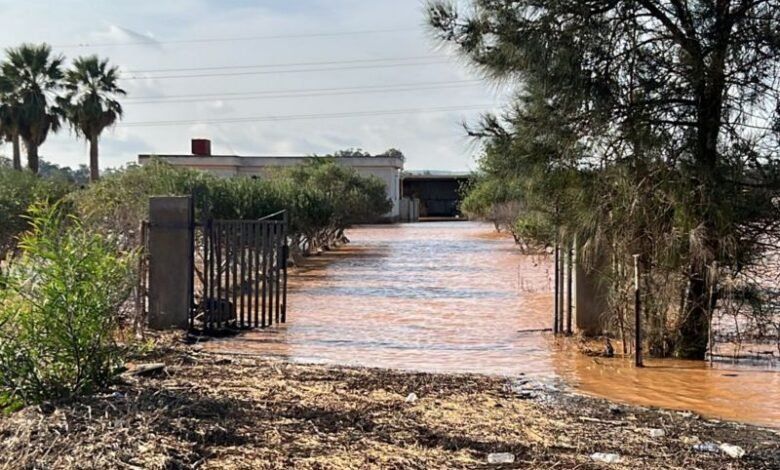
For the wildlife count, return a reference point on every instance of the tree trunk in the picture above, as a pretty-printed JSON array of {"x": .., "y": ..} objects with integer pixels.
[
  {"x": 94, "y": 168},
  {"x": 17, "y": 152},
  {"x": 33, "y": 162},
  {"x": 694, "y": 326}
]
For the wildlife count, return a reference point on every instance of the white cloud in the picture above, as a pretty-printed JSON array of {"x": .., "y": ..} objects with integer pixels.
[{"x": 430, "y": 140}]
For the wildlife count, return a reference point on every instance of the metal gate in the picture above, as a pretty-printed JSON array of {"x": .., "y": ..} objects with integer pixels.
[{"x": 241, "y": 277}]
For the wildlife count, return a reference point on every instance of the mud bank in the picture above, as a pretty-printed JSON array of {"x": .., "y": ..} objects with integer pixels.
[{"x": 216, "y": 411}]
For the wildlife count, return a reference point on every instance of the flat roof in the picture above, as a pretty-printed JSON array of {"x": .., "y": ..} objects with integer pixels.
[
  {"x": 262, "y": 161},
  {"x": 436, "y": 175}
]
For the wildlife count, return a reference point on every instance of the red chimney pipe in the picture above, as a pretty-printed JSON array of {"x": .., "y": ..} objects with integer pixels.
[{"x": 201, "y": 147}]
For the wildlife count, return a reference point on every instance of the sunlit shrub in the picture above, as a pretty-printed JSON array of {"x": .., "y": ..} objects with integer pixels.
[{"x": 57, "y": 321}]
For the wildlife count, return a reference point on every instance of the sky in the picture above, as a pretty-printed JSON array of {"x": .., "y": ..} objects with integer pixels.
[{"x": 265, "y": 77}]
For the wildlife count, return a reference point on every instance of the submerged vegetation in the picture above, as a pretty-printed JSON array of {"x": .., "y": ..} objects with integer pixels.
[{"x": 643, "y": 128}]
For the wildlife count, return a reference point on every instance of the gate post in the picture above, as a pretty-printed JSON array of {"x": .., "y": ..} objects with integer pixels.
[{"x": 170, "y": 261}]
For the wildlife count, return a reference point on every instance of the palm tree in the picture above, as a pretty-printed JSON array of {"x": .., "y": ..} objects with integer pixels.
[
  {"x": 31, "y": 76},
  {"x": 90, "y": 102},
  {"x": 9, "y": 124}
]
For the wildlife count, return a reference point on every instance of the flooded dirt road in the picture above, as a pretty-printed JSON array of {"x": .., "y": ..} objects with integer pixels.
[{"x": 453, "y": 297}]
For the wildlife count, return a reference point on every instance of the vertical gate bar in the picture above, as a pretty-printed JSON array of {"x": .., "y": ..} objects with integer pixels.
[
  {"x": 216, "y": 305},
  {"x": 234, "y": 242},
  {"x": 249, "y": 281},
  {"x": 278, "y": 249},
  {"x": 208, "y": 272},
  {"x": 205, "y": 284},
  {"x": 264, "y": 230},
  {"x": 219, "y": 245},
  {"x": 242, "y": 259},
  {"x": 226, "y": 287},
  {"x": 255, "y": 273},
  {"x": 229, "y": 279},
  {"x": 285, "y": 256},
  {"x": 246, "y": 285},
  {"x": 191, "y": 273},
  {"x": 225, "y": 299},
  {"x": 272, "y": 272},
  {"x": 223, "y": 246}
]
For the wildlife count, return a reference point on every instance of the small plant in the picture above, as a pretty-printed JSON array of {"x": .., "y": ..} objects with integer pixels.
[{"x": 57, "y": 311}]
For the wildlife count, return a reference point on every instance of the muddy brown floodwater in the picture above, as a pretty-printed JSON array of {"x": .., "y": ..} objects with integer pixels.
[{"x": 453, "y": 297}]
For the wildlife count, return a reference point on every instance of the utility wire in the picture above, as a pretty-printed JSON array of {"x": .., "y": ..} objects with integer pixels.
[
  {"x": 275, "y": 72},
  {"x": 154, "y": 42},
  {"x": 288, "y": 64},
  {"x": 251, "y": 97},
  {"x": 291, "y": 91},
  {"x": 297, "y": 117}
]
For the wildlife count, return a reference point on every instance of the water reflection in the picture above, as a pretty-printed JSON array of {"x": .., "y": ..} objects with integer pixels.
[{"x": 452, "y": 297}]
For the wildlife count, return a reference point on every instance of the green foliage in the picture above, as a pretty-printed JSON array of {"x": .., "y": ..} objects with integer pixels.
[
  {"x": 91, "y": 101},
  {"x": 57, "y": 310},
  {"x": 28, "y": 78},
  {"x": 321, "y": 197},
  {"x": 18, "y": 191},
  {"x": 37, "y": 95},
  {"x": 119, "y": 202},
  {"x": 639, "y": 128},
  {"x": 354, "y": 198},
  {"x": 358, "y": 152}
]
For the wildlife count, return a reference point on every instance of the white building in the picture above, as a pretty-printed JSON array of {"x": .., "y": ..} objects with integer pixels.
[{"x": 388, "y": 169}]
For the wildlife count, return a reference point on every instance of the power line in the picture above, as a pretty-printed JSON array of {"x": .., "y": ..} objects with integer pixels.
[
  {"x": 288, "y": 64},
  {"x": 305, "y": 90},
  {"x": 258, "y": 97},
  {"x": 154, "y": 42},
  {"x": 298, "y": 117},
  {"x": 274, "y": 72}
]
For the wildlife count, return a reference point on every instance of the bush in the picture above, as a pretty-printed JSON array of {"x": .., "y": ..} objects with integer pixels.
[
  {"x": 57, "y": 322},
  {"x": 322, "y": 199},
  {"x": 18, "y": 191},
  {"x": 117, "y": 203}
]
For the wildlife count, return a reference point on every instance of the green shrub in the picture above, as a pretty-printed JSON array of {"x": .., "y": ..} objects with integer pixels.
[
  {"x": 18, "y": 191},
  {"x": 322, "y": 198},
  {"x": 57, "y": 322}
]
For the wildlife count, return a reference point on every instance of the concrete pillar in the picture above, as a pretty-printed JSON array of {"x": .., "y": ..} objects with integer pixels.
[
  {"x": 170, "y": 262},
  {"x": 590, "y": 298}
]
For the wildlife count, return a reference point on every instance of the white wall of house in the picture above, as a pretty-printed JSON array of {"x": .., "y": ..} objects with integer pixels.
[{"x": 388, "y": 169}]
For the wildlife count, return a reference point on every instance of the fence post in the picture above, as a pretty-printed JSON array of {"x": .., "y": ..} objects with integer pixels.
[
  {"x": 637, "y": 315},
  {"x": 569, "y": 286},
  {"x": 557, "y": 286},
  {"x": 562, "y": 288},
  {"x": 170, "y": 262}
]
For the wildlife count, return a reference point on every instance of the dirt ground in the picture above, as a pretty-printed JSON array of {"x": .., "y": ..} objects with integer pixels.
[{"x": 226, "y": 412}]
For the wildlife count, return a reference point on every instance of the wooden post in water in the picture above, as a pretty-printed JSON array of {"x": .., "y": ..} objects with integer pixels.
[
  {"x": 569, "y": 285},
  {"x": 637, "y": 316},
  {"x": 556, "y": 307},
  {"x": 561, "y": 290}
]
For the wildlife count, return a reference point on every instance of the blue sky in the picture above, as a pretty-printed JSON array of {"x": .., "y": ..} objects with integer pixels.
[{"x": 165, "y": 35}]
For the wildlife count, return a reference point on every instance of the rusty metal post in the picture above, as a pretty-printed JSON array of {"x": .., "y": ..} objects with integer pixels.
[
  {"x": 556, "y": 307},
  {"x": 637, "y": 315},
  {"x": 569, "y": 286}
]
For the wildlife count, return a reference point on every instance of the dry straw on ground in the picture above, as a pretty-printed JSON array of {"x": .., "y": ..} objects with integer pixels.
[{"x": 207, "y": 411}]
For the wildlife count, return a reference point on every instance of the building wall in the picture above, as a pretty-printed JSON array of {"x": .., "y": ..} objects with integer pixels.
[{"x": 388, "y": 169}]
